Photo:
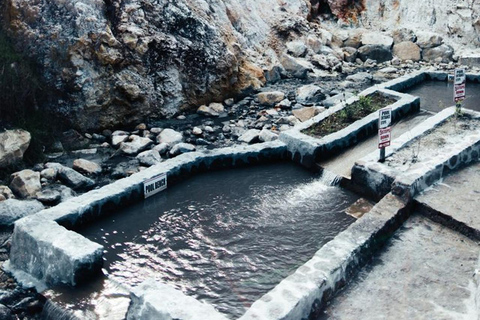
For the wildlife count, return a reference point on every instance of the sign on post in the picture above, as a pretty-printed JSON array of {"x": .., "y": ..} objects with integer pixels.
[
  {"x": 154, "y": 185},
  {"x": 384, "y": 137},
  {"x": 384, "y": 130},
  {"x": 459, "y": 85}
]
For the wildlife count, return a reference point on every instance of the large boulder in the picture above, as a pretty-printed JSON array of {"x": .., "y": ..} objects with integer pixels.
[
  {"x": 270, "y": 98},
  {"x": 135, "y": 144},
  {"x": 309, "y": 94},
  {"x": 294, "y": 67},
  {"x": 170, "y": 137},
  {"x": 407, "y": 50},
  {"x": 375, "y": 52},
  {"x": 86, "y": 166},
  {"x": 149, "y": 158},
  {"x": 403, "y": 34},
  {"x": 13, "y": 144},
  {"x": 427, "y": 40},
  {"x": 182, "y": 148},
  {"x": 71, "y": 178},
  {"x": 442, "y": 53},
  {"x": 377, "y": 39},
  {"x": 11, "y": 210},
  {"x": 26, "y": 183}
]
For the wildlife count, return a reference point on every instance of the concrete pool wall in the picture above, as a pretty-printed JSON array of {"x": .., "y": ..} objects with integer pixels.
[
  {"x": 377, "y": 178},
  {"x": 45, "y": 237}
]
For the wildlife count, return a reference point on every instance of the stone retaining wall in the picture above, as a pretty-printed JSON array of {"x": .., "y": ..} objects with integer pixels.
[
  {"x": 377, "y": 179},
  {"x": 303, "y": 294},
  {"x": 307, "y": 149}
]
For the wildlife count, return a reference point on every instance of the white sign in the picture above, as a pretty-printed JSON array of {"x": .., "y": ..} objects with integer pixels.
[
  {"x": 385, "y": 118},
  {"x": 459, "y": 85},
  {"x": 155, "y": 185},
  {"x": 460, "y": 76},
  {"x": 384, "y": 137}
]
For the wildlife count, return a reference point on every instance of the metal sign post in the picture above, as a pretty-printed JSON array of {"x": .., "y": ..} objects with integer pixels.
[
  {"x": 459, "y": 88},
  {"x": 384, "y": 131}
]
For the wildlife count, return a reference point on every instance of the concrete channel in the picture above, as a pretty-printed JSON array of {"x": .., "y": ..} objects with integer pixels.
[{"x": 48, "y": 236}]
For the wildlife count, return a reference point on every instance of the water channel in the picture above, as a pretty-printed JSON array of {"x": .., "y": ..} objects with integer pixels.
[{"x": 224, "y": 237}]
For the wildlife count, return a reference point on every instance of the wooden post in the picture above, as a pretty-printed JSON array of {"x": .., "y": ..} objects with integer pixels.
[{"x": 382, "y": 155}]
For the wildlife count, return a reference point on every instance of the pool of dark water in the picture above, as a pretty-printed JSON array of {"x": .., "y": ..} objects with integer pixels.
[
  {"x": 224, "y": 237},
  {"x": 437, "y": 95}
]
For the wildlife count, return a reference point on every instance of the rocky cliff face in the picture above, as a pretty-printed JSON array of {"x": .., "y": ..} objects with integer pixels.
[
  {"x": 124, "y": 60},
  {"x": 458, "y": 21}
]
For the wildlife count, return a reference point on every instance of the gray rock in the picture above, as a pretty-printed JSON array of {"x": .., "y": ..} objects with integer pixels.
[
  {"x": 296, "y": 48},
  {"x": 120, "y": 133},
  {"x": 149, "y": 158},
  {"x": 162, "y": 148},
  {"x": 207, "y": 111},
  {"x": 306, "y": 113},
  {"x": 182, "y": 148},
  {"x": 26, "y": 183},
  {"x": 49, "y": 196},
  {"x": 407, "y": 50},
  {"x": 217, "y": 107},
  {"x": 375, "y": 52},
  {"x": 427, "y": 40},
  {"x": 270, "y": 98},
  {"x": 118, "y": 139},
  {"x": 250, "y": 136},
  {"x": 170, "y": 137},
  {"x": 13, "y": 144},
  {"x": 86, "y": 166},
  {"x": 309, "y": 94},
  {"x": 6, "y": 192},
  {"x": 360, "y": 77},
  {"x": 350, "y": 54},
  {"x": 294, "y": 67},
  {"x": 135, "y": 144},
  {"x": 377, "y": 39},
  {"x": 71, "y": 178},
  {"x": 267, "y": 135},
  {"x": 336, "y": 99},
  {"x": 11, "y": 210},
  {"x": 402, "y": 35},
  {"x": 197, "y": 131},
  {"x": 49, "y": 174},
  {"x": 443, "y": 53}
]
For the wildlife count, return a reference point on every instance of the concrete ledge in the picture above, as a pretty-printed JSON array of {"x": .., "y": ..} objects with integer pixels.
[
  {"x": 303, "y": 294},
  {"x": 41, "y": 240},
  {"x": 307, "y": 149},
  {"x": 155, "y": 300},
  {"x": 54, "y": 254},
  {"x": 378, "y": 178}
]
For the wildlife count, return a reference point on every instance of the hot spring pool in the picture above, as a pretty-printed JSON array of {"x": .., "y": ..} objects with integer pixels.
[
  {"x": 438, "y": 95},
  {"x": 224, "y": 237}
]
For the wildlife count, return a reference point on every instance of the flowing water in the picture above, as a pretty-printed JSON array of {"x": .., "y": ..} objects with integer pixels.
[
  {"x": 225, "y": 237},
  {"x": 437, "y": 95}
]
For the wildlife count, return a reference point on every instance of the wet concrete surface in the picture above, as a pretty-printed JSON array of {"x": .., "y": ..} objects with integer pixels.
[
  {"x": 457, "y": 196},
  {"x": 343, "y": 163},
  {"x": 425, "y": 271}
]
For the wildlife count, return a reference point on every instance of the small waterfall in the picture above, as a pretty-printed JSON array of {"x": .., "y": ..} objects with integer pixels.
[
  {"x": 329, "y": 178},
  {"x": 52, "y": 311}
]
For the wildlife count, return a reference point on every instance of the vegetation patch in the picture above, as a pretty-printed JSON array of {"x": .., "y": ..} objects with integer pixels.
[{"x": 348, "y": 115}]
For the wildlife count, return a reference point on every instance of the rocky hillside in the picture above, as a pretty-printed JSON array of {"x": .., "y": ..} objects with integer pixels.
[{"x": 123, "y": 61}]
